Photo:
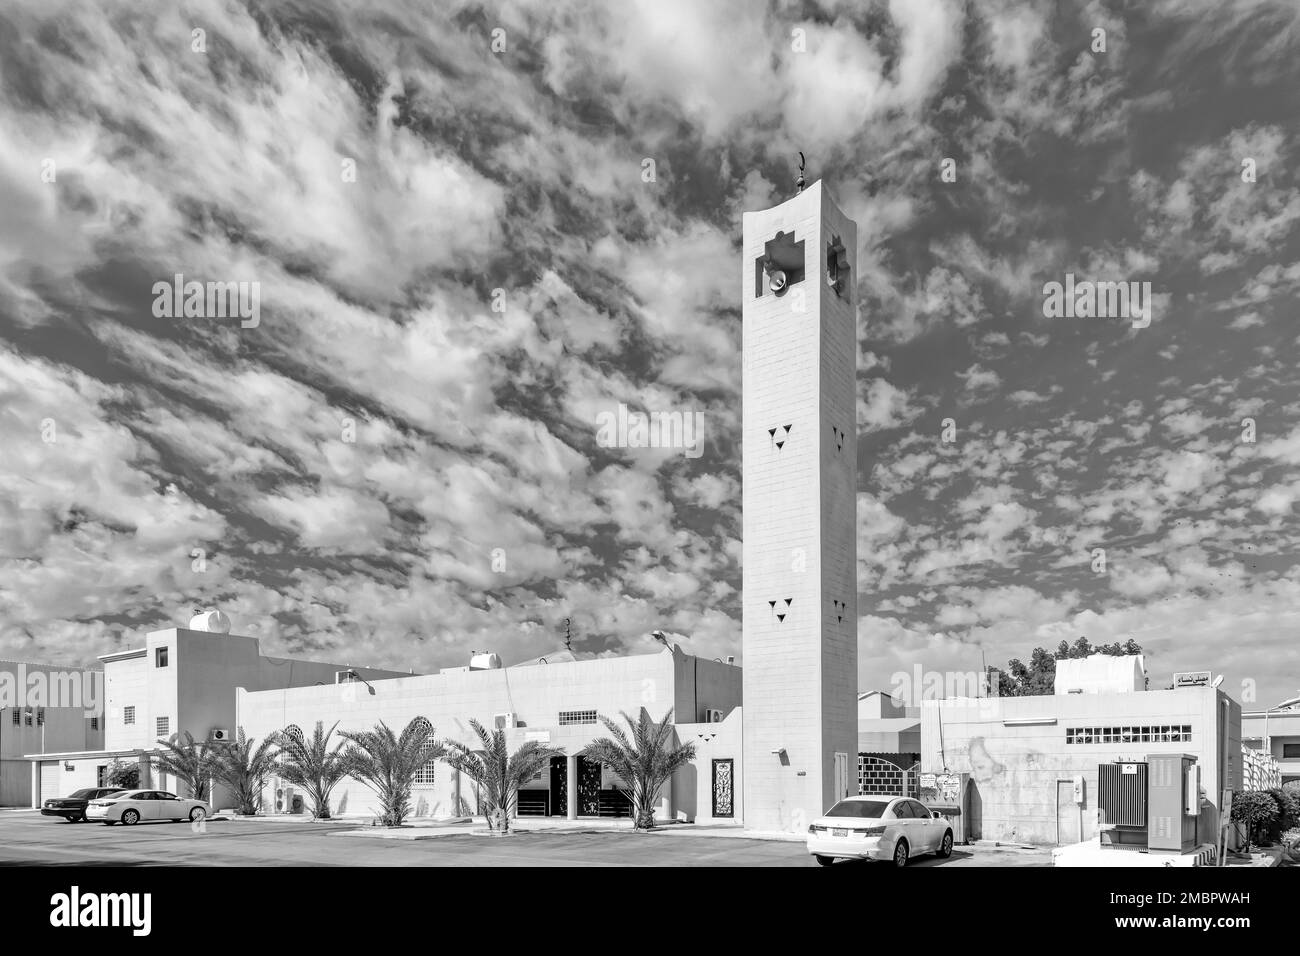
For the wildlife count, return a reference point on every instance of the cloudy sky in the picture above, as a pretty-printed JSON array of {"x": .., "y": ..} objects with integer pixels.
[{"x": 461, "y": 265}]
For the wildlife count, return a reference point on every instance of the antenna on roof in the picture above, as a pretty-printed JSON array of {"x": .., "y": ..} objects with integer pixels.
[{"x": 799, "y": 183}]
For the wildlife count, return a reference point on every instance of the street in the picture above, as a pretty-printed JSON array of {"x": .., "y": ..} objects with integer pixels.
[{"x": 28, "y": 838}]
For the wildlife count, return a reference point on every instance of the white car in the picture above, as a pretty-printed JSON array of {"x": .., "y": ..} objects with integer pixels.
[
  {"x": 879, "y": 828},
  {"x": 132, "y": 806}
]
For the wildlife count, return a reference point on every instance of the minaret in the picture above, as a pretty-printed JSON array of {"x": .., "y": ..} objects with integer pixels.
[{"x": 800, "y": 509}]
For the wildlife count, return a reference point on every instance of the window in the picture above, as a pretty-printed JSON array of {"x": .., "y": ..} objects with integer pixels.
[
  {"x": 160, "y": 657},
  {"x": 40, "y": 716},
  {"x": 128, "y": 715},
  {"x": 294, "y": 732},
  {"x": 577, "y": 717},
  {"x": 421, "y": 727},
  {"x": 18, "y": 719},
  {"x": 101, "y": 776},
  {"x": 162, "y": 725},
  {"x": 903, "y": 810},
  {"x": 27, "y": 716},
  {"x": 1290, "y": 750},
  {"x": 862, "y": 809},
  {"x": 1146, "y": 734},
  {"x": 94, "y": 723}
]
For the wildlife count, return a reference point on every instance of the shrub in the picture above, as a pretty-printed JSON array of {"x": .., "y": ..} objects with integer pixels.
[
  {"x": 122, "y": 774},
  {"x": 1258, "y": 810},
  {"x": 1288, "y": 812}
]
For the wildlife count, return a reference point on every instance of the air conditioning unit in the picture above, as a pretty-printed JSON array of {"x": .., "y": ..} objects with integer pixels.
[
  {"x": 284, "y": 799},
  {"x": 504, "y": 721},
  {"x": 220, "y": 735},
  {"x": 713, "y": 716}
]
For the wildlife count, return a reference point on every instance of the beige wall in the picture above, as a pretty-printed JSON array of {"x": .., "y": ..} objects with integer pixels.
[
  {"x": 196, "y": 690},
  {"x": 1015, "y": 770},
  {"x": 534, "y": 694}
]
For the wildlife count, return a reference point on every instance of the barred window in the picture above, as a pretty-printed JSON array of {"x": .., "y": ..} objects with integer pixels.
[
  {"x": 40, "y": 716},
  {"x": 162, "y": 725},
  {"x": 94, "y": 723},
  {"x": 577, "y": 717},
  {"x": 1142, "y": 734},
  {"x": 128, "y": 715},
  {"x": 18, "y": 719},
  {"x": 424, "y": 776},
  {"x": 294, "y": 732}
]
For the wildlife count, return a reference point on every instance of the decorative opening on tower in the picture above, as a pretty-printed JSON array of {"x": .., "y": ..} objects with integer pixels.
[
  {"x": 837, "y": 266},
  {"x": 780, "y": 266}
]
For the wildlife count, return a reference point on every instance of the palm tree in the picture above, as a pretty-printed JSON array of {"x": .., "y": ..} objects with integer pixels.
[
  {"x": 387, "y": 764},
  {"x": 244, "y": 769},
  {"x": 498, "y": 773},
  {"x": 645, "y": 762},
  {"x": 188, "y": 761},
  {"x": 312, "y": 765}
]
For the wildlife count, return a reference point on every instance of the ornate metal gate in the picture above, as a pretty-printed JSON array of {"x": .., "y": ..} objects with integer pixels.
[{"x": 723, "y": 788}]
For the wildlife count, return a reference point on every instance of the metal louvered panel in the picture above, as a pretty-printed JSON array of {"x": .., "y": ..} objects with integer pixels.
[{"x": 1123, "y": 796}]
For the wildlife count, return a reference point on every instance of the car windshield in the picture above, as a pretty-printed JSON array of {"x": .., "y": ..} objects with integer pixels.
[
  {"x": 867, "y": 809},
  {"x": 82, "y": 795}
]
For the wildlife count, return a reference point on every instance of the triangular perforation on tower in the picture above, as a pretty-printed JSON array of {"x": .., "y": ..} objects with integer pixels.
[{"x": 780, "y": 617}]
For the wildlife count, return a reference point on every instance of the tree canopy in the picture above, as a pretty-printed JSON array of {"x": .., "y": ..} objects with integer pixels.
[{"x": 1038, "y": 676}]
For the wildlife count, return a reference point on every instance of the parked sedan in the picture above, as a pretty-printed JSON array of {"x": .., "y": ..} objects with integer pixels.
[
  {"x": 73, "y": 808},
  {"x": 131, "y": 806},
  {"x": 879, "y": 828}
]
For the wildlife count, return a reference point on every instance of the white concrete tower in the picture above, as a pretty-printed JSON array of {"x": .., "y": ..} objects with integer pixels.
[{"x": 800, "y": 542}]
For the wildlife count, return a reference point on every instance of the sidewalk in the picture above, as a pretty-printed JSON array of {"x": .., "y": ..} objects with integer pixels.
[{"x": 424, "y": 829}]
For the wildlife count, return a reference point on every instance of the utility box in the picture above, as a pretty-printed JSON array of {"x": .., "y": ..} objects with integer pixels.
[
  {"x": 1173, "y": 802},
  {"x": 1122, "y": 800},
  {"x": 949, "y": 793}
]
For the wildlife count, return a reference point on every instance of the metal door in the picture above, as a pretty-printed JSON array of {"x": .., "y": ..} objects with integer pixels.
[
  {"x": 724, "y": 788},
  {"x": 51, "y": 780},
  {"x": 559, "y": 787},
  {"x": 1069, "y": 822},
  {"x": 841, "y": 776},
  {"x": 588, "y": 788}
]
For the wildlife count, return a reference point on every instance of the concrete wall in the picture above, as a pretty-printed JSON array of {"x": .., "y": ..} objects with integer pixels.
[
  {"x": 196, "y": 689},
  {"x": 1015, "y": 770},
  {"x": 127, "y": 680},
  {"x": 693, "y": 786},
  {"x": 534, "y": 694}
]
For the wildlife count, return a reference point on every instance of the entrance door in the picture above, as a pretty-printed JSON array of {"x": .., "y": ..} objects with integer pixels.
[
  {"x": 724, "y": 788},
  {"x": 1068, "y": 823},
  {"x": 588, "y": 788},
  {"x": 559, "y": 787},
  {"x": 841, "y": 776}
]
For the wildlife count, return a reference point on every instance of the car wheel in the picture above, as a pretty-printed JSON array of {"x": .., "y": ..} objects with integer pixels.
[
  {"x": 197, "y": 814},
  {"x": 900, "y": 853},
  {"x": 824, "y": 860},
  {"x": 130, "y": 818},
  {"x": 77, "y": 818},
  {"x": 945, "y": 848}
]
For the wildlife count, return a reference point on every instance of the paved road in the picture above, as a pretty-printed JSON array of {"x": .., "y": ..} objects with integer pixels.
[{"x": 28, "y": 838}]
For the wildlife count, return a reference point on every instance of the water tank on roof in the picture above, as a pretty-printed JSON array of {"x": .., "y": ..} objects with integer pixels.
[
  {"x": 484, "y": 662},
  {"x": 214, "y": 622}
]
